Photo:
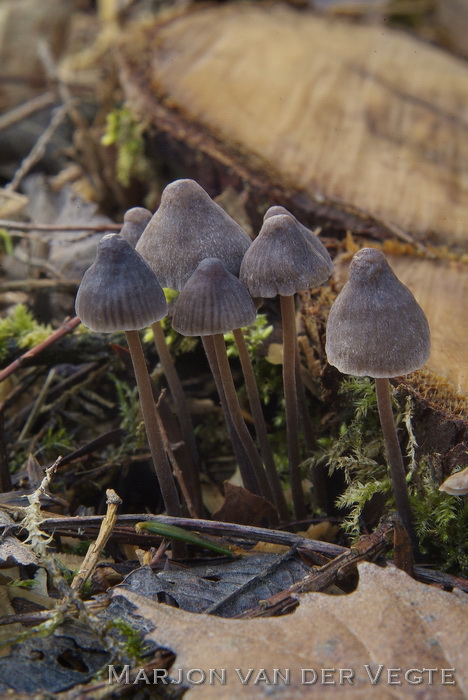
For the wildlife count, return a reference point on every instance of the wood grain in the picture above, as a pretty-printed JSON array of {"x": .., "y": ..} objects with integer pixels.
[{"x": 358, "y": 116}]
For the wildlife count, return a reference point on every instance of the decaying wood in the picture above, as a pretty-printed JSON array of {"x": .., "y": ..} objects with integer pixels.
[
  {"x": 355, "y": 126},
  {"x": 441, "y": 288}
]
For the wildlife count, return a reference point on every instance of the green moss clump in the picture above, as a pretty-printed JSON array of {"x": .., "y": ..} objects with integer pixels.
[
  {"x": 21, "y": 328},
  {"x": 441, "y": 520},
  {"x": 125, "y": 131},
  {"x": 134, "y": 646}
]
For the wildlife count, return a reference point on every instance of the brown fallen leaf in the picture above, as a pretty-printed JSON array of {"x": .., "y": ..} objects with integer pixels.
[
  {"x": 245, "y": 508},
  {"x": 456, "y": 484},
  {"x": 376, "y": 636}
]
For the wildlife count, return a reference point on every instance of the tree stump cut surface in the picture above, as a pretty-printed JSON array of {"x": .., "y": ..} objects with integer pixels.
[{"x": 356, "y": 116}]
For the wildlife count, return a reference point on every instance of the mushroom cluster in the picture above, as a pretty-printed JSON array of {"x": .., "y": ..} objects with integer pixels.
[{"x": 193, "y": 246}]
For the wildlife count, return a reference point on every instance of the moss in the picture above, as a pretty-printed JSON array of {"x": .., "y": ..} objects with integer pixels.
[
  {"x": 133, "y": 645},
  {"x": 441, "y": 521},
  {"x": 21, "y": 328},
  {"x": 358, "y": 453},
  {"x": 125, "y": 131}
]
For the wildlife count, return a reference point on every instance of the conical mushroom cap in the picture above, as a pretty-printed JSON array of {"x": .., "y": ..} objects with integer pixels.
[
  {"x": 281, "y": 261},
  {"x": 134, "y": 223},
  {"x": 376, "y": 327},
  {"x": 212, "y": 301},
  {"x": 119, "y": 292},
  {"x": 187, "y": 228},
  {"x": 310, "y": 235}
]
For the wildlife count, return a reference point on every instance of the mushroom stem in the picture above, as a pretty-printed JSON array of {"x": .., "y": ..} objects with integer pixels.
[
  {"x": 234, "y": 409},
  {"x": 394, "y": 456},
  {"x": 148, "y": 408},
  {"x": 317, "y": 476},
  {"x": 290, "y": 396},
  {"x": 259, "y": 422},
  {"x": 248, "y": 477},
  {"x": 180, "y": 402}
]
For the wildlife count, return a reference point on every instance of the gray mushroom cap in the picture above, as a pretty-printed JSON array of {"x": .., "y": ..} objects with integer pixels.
[
  {"x": 313, "y": 239},
  {"x": 187, "y": 228},
  {"x": 376, "y": 327},
  {"x": 281, "y": 260},
  {"x": 212, "y": 301},
  {"x": 119, "y": 292},
  {"x": 134, "y": 223}
]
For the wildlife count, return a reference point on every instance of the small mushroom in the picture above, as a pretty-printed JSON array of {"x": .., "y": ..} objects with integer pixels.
[
  {"x": 376, "y": 328},
  {"x": 134, "y": 223},
  {"x": 281, "y": 261},
  {"x": 308, "y": 431},
  {"x": 187, "y": 228},
  {"x": 312, "y": 237},
  {"x": 119, "y": 292},
  {"x": 213, "y": 302}
]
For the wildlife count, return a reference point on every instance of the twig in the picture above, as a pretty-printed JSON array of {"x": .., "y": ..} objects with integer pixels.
[
  {"x": 25, "y": 110},
  {"x": 82, "y": 526},
  {"x": 39, "y": 147},
  {"x": 174, "y": 464},
  {"x": 34, "y": 352},
  {"x": 368, "y": 547},
  {"x": 32, "y": 285},
  {"x": 23, "y": 226},
  {"x": 5, "y": 476},
  {"x": 92, "y": 556},
  {"x": 37, "y": 405}
]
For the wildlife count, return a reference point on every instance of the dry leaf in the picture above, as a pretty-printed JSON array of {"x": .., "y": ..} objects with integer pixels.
[
  {"x": 456, "y": 484},
  {"x": 245, "y": 508},
  {"x": 390, "y": 622}
]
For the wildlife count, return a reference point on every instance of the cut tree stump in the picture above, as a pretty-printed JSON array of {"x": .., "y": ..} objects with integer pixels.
[
  {"x": 354, "y": 128},
  {"x": 363, "y": 122}
]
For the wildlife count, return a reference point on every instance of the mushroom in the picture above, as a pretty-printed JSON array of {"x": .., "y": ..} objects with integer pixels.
[
  {"x": 119, "y": 292},
  {"x": 282, "y": 261},
  {"x": 311, "y": 236},
  {"x": 213, "y": 302},
  {"x": 134, "y": 223},
  {"x": 309, "y": 437},
  {"x": 376, "y": 328},
  {"x": 187, "y": 228}
]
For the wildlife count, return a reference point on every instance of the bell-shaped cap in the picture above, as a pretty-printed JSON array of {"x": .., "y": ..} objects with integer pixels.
[
  {"x": 119, "y": 292},
  {"x": 376, "y": 327},
  {"x": 281, "y": 260},
  {"x": 187, "y": 228},
  {"x": 212, "y": 301},
  {"x": 134, "y": 223},
  {"x": 314, "y": 240}
]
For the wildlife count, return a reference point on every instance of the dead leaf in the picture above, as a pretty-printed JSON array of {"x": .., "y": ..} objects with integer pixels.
[
  {"x": 323, "y": 531},
  {"x": 390, "y": 625},
  {"x": 221, "y": 588},
  {"x": 456, "y": 484},
  {"x": 245, "y": 508}
]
